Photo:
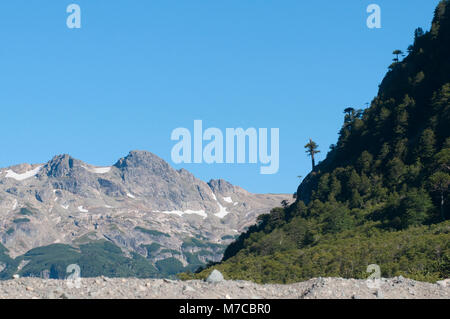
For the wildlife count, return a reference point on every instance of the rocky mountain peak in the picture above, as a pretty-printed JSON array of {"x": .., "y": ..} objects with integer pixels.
[
  {"x": 141, "y": 159},
  {"x": 60, "y": 166},
  {"x": 220, "y": 186}
]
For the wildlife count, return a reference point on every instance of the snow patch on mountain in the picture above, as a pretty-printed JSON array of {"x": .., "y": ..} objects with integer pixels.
[
  {"x": 98, "y": 170},
  {"x": 228, "y": 199},
  {"x": 187, "y": 212},
  {"x": 81, "y": 209},
  {"x": 222, "y": 211},
  {"x": 23, "y": 176}
]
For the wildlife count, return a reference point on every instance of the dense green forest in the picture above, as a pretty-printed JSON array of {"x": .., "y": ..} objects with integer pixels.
[
  {"x": 381, "y": 196},
  {"x": 104, "y": 258},
  {"x": 96, "y": 258}
]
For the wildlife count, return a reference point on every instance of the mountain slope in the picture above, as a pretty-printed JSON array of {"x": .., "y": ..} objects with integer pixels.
[
  {"x": 382, "y": 193},
  {"x": 139, "y": 211}
]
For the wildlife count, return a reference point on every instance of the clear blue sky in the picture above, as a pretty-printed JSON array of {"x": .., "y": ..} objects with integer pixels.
[{"x": 138, "y": 69}]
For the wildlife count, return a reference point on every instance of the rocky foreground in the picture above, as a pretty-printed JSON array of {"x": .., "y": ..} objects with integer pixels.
[{"x": 318, "y": 288}]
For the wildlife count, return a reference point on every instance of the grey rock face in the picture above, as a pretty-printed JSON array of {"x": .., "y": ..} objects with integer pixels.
[
  {"x": 60, "y": 166},
  {"x": 215, "y": 277},
  {"x": 140, "y": 203},
  {"x": 220, "y": 185}
]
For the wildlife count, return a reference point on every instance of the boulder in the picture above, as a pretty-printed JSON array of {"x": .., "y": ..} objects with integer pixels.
[{"x": 215, "y": 277}]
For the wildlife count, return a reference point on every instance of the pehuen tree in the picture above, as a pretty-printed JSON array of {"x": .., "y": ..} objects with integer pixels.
[
  {"x": 312, "y": 150},
  {"x": 397, "y": 53}
]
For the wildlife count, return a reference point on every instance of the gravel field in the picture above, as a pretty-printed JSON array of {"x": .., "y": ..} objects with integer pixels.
[{"x": 317, "y": 288}]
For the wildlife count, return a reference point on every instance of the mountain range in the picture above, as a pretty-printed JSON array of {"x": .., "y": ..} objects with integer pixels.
[{"x": 139, "y": 212}]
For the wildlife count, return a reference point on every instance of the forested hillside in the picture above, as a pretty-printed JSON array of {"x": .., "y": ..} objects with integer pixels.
[{"x": 381, "y": 196}]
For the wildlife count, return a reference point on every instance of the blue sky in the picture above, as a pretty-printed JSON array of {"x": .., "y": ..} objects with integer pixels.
[{"x": 138, "y": 69}]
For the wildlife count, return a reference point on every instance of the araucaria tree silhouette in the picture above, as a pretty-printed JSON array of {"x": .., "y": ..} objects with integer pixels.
[
  {"x": 311, "y": 150},
  {"x": 397, "y": 53}
]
